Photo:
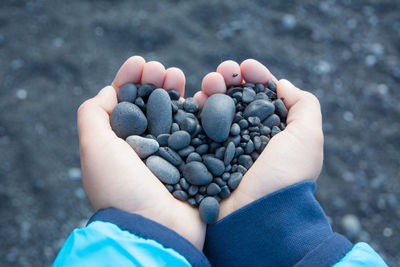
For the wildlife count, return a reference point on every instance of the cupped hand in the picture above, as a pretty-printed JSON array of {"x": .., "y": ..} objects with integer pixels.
[
  {"x": 291, "y": 156},
  {"x": 113, "y": 174}
]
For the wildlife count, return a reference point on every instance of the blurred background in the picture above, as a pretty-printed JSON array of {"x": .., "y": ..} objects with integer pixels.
[{"x": 55, "y": 54}]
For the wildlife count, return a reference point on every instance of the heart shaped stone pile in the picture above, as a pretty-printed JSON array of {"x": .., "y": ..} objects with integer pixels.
[{"x": 199, "y": 155}]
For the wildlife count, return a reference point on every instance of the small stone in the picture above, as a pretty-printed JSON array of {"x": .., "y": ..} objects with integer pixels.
[
  {"x": 246, "y": 161},
  {"x": 162, "y": 139},
  {"x": 251, "y": 85},
  {"x": 219, "y": 181},
  {"x": 262, "y": 95},
  {"x": 213, "y": 147},
  {"x": 229, "y": 153},
  {"x": 180, "y": 194},
  {"x": 260, "y": 108},
  {"x": 191, "y": 105},
  {"x": 144, "y": 147},
  {"x": 259, "y": 88},
  {"x": 225, "y": 192},
  {"x": 254, "y": 155},
  {"x": 265, "y": 130},
  {"x": 220, "y": 152},
  {"x": 233, "y": 90},
  {"x": 169, "y": 187},
  {"x": 179, "y": 140},
  {"x": 198, "y": 130},
  {"x": 226, "y": 176},
  {"x": 174, "y": 107},
  {"x": 234, "y": 139},
  {"x": 234, "y": 180},
  {"x": 245, "y": 137},
  {"x": 127, "y": 119},
  {"x": 214, "y": 165},
  {"x": 174, "y": 127},
  {"x": 170, "y": 155},
  {"x": 198, "y": 198},
  {"x": 275, "y": 130},
  {"x": 282, "y": 126},
  {"x": 150, "y": 136},
  {"x": 249, "y": 147},
  {"x": 235, "y": 129},
  {"x": 173, "y": 94},
  {"x": 196, "y": 142},
  {"x": 202, "y": 149},
  {"x": 248, "y": 95},
  {"x": 272, "y": 120},
  {"x": 192, "y": 202},
  {"x": 159, "y": 112},
  {"x": 145, "y": 90},
  {"x": 197, "y": 173},
  {"x": 238, "y": 117},
  {"x": 253, "y": 134},
  {"x": 237, "y": 96},
  {"x": 351, "y": 225},
  {"x": 202, "y": 189},
  {"x": 213, "y": 189},
  {"x": 184, "y": 184},
  {"x": 74, "y": 174},
  {"x": 193, "y": 189},
  {"x": 177, "y": 187},
  {"x": 217, "y": 116},
  {"x": 228, "y": 167},
  {"x": 280, "y": 108},
  {"x": 140, "y": 103},
  {"x": 209, "y": 209},
  {"x": 254, "y": 121},
  {"x": 188, "y": 125},
  {"x": 272, "y": 85},
  {"x": 184, "y": 152},
  {"x": 243, "y": 124},
  {"x": 254, "y": 128},
  {"x": 241, "y": 169},
  {"x": 163, "y": 170},
  {"x": 193, "y": 157},
  {"x": 270, "y": 94},
  {"x": 238, "y": 152},
  {"x": 127, "y": 93}
]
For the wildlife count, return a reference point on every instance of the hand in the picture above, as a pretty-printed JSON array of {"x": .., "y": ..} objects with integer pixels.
[
  {"x": 113, "y": 174},
  {"x": 291, "y": 156}
]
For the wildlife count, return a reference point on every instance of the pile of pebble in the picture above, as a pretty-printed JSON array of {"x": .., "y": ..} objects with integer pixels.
[{"x": 199, "y": 155}]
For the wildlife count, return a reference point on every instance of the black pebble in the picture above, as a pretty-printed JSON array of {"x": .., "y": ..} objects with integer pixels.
[
  {"x": 259, "y": 108},
  {"x": 193, "y": 189},
  {"x": 254, "y": 121},
  {"x": 170, "y": 155},
  {"x": 213, "y": 189},
  {"x": 234, "y": 180},
  {"x": 226, "y": 176},
  {"x": 228, "y": 167},
  {"x": 219, "y": 181},
  {"x": 259, "y": 87},
  {"x": 243, "y": 124},
  {"x": 162, "y": 139},
  {"x": 174, "y": 107},
  {"x": 199, "y": 198},
  {"x": 272, "y": 120},
  {"x": 248, "y": 95},
  {"x": 239, "y": 151},
  {"x": 127, "y": 93},
  {"x": 246, "y": 161},
  {"x": 219, "y": 152},
  {"x": 145, "y": 90},
  {"x": 241, "y": 169},
  {"x": 225, "y": 192},
  {"x": 181, "y": 195},
  {"x": 127, "y": 119},
  {"x": 179, "y": 140},
  {"x": 196, "y": 142},
  {"x": 271, "y": 94},
  {"x": 214, "y": 165},
  {"x": 238, "y": 116},
  {"x": 184, "y": 152},
  {"x": 262, "y": 95},
  {"x": 197, "y": 173},
  {"x": 213, "y": 147},
  {"x": 173, "y": 94},
  {"x": 177, "y": 187},
  {"x": 251, "y": 85},
  {"x": 275, "y": 130},
  {"x": 193, "y": 157},
  {"x": 229, "y": 153},
  {"x": 249, "y": 147},
  {"x": 245, "y": 137},
  {"x": 280, "y": 108},
  {"x": 202, "y": 149},
  {"x": 192, "y": 202},
  {"x": 209, "y": 209},
  {"x": 140, "y": 103},
  {"x": 188, "y": 125},
  {"x": 265, "y": 130},
  {"x": 169, "y": 187},
  {"x": 184, "y": 184},
  {"x": 202, "y": 189},
  {"x": 235, "y": 129},
  {"x": 254, "y": 155},
  {"x": 174, "y": 127},
  {"x": 272, "y": 85},
  {"x": 190, "y": 105}
]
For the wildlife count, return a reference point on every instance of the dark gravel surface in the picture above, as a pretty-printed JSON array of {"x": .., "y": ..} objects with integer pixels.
[{"x": 56, "y": 54}]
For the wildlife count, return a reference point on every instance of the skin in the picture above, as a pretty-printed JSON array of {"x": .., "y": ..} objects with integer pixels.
[{"x": 114, "y": 176}]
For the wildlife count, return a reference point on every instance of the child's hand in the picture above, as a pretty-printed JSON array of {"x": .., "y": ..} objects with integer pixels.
[
  {"x": 113, "y": 174},
  {"x": 293, "y": 155}
]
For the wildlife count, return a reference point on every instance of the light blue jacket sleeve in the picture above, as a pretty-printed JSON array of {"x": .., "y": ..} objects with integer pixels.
[
  {"x": 105, "y": 244},
  {"x": 361, "y": 255}
]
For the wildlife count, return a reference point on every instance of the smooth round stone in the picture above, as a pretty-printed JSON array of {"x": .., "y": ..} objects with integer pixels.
[
  {"x": 251, "y": 85},
  {"x": 233, "y": 90},
  {"x": 238, "y": 117},
  {"x": 272, "y": 85},
  {"x": 193, "y": 189},
  {"x": 234, "y": 139},
  {"x": 264, "y": 130},
  {"x": 225, "y": 192},
  {"x": 184, "y": 152},
  {"x": 197, "y": 173},
  {"x": 127, "y": 93},
  {"x": 159, "y": 112},
  {"x": 249, "y": 148},
  {"x": 174, "y": 107},
  {"x": 214, "y": 165},
  {"x": 254, "y": 121},
  {"x": 262, "y": 95},
  {"x": 243, "y": 124},
  {"x": 254, "y": 128},
  {"x": 226, "y": 176},
  {"x": 202, "y": 149},
  {"x": 145, "y": 90},
  {"x": 173, "y": 94},
  {"x": 228, "y": 167},
  {"x": 213, "y": 189},
  {"x": 259, "y": 87},
  {"x": 197, "y": 130},
  {"x": 220, "y": 152},
  {"x": 177, "y": 187},
  {"x": 217, "y": 116},
  {"x": 234, "y": 180},
  {"x": 144, "y": 147},
  {"x": 272, "y": 120},
  {"x": 162, "y": 139},
  {"x": 169, "y": 187},
  {"x": 213, "y": 147},
  {"x": 280, "y": 108},
  {"x": 163, "y": 170},
  {"x": 179, "y": 140},
  {"x": 191, "y": 105},
  {"x": 193, "y": 157},
  {"x": 245, "y": 137},
  {"x": 188, "y": 125},
  {"x": 229, "y": 153},
  {"x": 246, "y": 161},
  {"x": 219, "y": 181},
  {"x": 275, "y": 130},
  {"x": 257, "y": 142},
  {"x": 170, "y": 155},
  {"x": 241, "y": 169},
  {"x": 127, "y": 119},
  {"x": 184, "y": 184},
  {"x": 238, "y": 151},
  {"x": 196, "y": 142},
  {"x": 248, "y": 95},
  {"x": 271, "y": 94},
  {"x": 192, "y": 202},
  {"x": 260, "y": 108},
  {"x": 202, "y": 189},
  {"x": 209, "y": 209},
  {"x": 235, "y": 129},
  {"x": 180, "y": 194},
  {"x": 174, "y": 127},
  {"x": 140, "y": 103},
  {"x": 198, "y": 198},
  {"x": 254, "y": 155},
  {"x": 181, "y": 115},
  {"x": 252, "y": 134}
]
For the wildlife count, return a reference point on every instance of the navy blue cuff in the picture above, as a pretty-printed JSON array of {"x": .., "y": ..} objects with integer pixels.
[
  {"x": 281, "y": 229},
  {"x": 148, "y": 229}
]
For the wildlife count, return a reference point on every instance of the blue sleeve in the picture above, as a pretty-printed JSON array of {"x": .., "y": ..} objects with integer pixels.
[
  {"x": 361, "y": 255},
  {"x": 117, "y": 238},
  {"x": 285, "y": 228}
]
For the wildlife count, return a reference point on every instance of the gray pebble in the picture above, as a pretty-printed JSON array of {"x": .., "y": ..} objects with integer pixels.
[
  {"x": 248, "y": 95},
  {"x": 243, "y": 124},
  {"x": 217, "y": 116},
  {"x": 180, "y": 116},
  {"x": 162, "y": 139},
  {"x": 174, "y": 127},
  {"x": 145, "y": 90},
  {"x": 234, "y": 168},
  {"x": 196, "y": 142},
  {"x": 213, "y": 189},
  {"x": 197, "y": 130},
  {"x": 174, "y": 107},
  {"x": 254, "y": 155},
  {"x": 184, "y": 184},
  {"x": 252, "y": 134},
  {"x": 170, "y": 155},
  {"x": 177, "y": 187},
  {"x": 272, "y": 120},
  {"x": 140, "y": 103},
  {"x": 127, "y": 119},
  {"x": 238, "y": 116},
  {"x": 262, "y": 95},
  {"x": 259, "y": 88},
  {"x": 198, "y": 198},
  {"x": 238, "y": 152},
  {"x": 251, "y": 85},
  {"x": 257, "y": 142},
  {"x": 237, "y": 96},
  {"x": 264, "y": 130},
  {"x": 254, "y": 128},
  {"x": 193, "y": 189},
  {"x": 234, "y": 139},
  {"x": 192, "y": 202},
  {"x": 260, "y": 108},
  {"x": 245, "y": 138},
  {"x": 271, "y": 94},
  {"x": 246, "y": 161},
  {"x": 188, "y": 125},
  {"x": 229, "y": 153},
  {"x": 282, "y": 126},
  {"x": 214, "y": 165},
  {"x": 193, "y": 157},
  {"x": 159, "y": 112},
  {"x": 202, "y": 189},
  {"x": 219, "y": 153},
  {"x": 184, "y": 152},
  {"x": 173, "y": 94},
  {"x": 163, "y": 170},
  {"x": 150, "y": 136},
  {"x": 202, "y": 149},
  {"x": 219, "y": 181},
  {"x": 235, "y": 129},
  {"x": 225, "y": 192},
  {"x": 249, "y": 147},
  {"x": 179, "y": 140},
  {"x": 209, "y": 209},
  {"x": 180, "y": 194},
  {"x": 254, "y": 121},
  {"x": 275, "y": 130},
  {"x": 228, "y": 167},
  {"x": 144, "y": 147},
  {"x": 169, "y": 187},
  {"x": 233, "y": 90},
  {"x": 190, "y": 105},
  {"x": 226, "y": 176},
  {"x": 272, "y": 85},
  {"x": 280, "y": 108},
  {"x": 234, "y": 180},
  {"x": 127, "y": 93},
  {"x": 241, "y": 169},
  {"x": 197, "y": 173}
]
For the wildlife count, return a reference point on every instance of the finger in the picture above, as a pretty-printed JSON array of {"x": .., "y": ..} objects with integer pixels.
[
  {"x": 93, "y": 117},
  {"x": 153, "y": 72},
  {"x": 213, "y": 83},
  {"x": 255, "y": 72},
  {"x": 200, "y": 98},
  {"x": 230, "y": 70},
  {"x": 175, "y": 79},
  {"x": 130, "y": 72}
]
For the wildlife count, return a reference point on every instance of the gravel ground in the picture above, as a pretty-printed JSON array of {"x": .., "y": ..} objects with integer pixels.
[{"x": 55, "y": 54}]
